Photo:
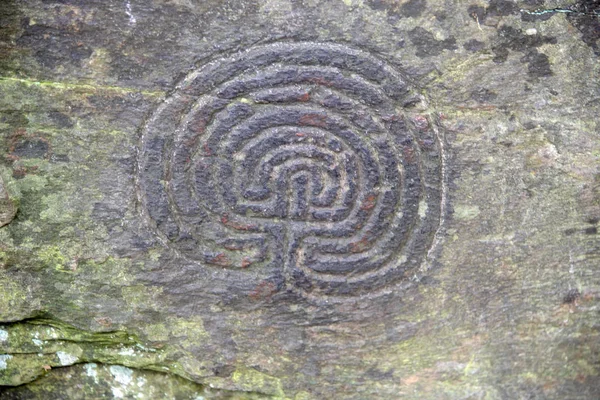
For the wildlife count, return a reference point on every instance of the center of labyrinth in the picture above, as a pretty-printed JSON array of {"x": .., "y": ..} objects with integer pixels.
[{"x": 304, "y": 158}]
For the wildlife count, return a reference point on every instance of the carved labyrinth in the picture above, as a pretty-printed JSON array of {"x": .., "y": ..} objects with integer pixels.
[{"x": 303, "y": 157}]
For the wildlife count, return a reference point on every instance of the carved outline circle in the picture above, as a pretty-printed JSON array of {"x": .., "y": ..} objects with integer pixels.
[{"x": 169, "y": 122}]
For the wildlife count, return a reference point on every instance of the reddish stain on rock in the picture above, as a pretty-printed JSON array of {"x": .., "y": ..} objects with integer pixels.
[
  {"x": 420, "y": 122},
  {"x": 235, "y": 225},
  {"x": 318, "y": 120},
  {"x": 391, "y": 118},
  {"x": 221, "y": 259},
  {"x": 369, "y": 203},
  {"x": 321, "y": 81},
  {"x": 409, "y": 154},
  {"x": 360, "y": 246},
  {"x": 20, "y": 172},
  {"x": 104, "y": 321},
  {"x": 305, "y": 97},
  {"x": 199, "y": 125},
  {"x": 263, "y": 291},
  {"x": 246, "y": 262}
]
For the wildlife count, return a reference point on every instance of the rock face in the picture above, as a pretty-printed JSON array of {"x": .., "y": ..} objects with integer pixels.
[{"x": 299, "y": 199}]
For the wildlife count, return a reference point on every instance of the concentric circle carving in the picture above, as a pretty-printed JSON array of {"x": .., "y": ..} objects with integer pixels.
[{"x": 307, "y": 157}]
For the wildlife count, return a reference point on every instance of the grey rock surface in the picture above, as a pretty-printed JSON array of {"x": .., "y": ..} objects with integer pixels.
[{"x": 348, "y": 199}]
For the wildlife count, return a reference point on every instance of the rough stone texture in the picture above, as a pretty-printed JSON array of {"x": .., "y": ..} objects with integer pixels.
[{"x": 139, "y": 254}]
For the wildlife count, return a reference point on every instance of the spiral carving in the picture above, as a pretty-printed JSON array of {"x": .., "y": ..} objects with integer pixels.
[{"x": 308, "y": 157}]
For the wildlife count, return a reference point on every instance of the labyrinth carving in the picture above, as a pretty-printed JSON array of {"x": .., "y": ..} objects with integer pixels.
[{"x": 317, "y": 159}]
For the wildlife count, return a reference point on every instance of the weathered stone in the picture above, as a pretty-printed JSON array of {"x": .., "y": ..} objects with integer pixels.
[
  {"x": 8, "y": 201},
  {"x": 299, "y": 199}
]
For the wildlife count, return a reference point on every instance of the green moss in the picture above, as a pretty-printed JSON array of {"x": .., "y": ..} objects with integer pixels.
[
  {"x": 57, "y": 209},
  {"x": 100, "y": 381},
  {"x": 77, "y": 86},
  {"x": 303, "y": 396},
  {"x": 10, "y": 185},
  {"x": 38, "y": 344},
  {"x": 141, "y": 297},
  {"x": 252, "y": 380},
  {"x": 52, "y": 257},
  {"x": 32, "y": 183},
  {"x": 34, "y": 348},
  {"x": 21, "y": 368},
  {"x": 9, "y": 198},
  {"x": 156, "y": 332},
  {"x": 190, "y": 330},
  {"x": 466, "y": 212},
  {"x": 14, "y": 299}
]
